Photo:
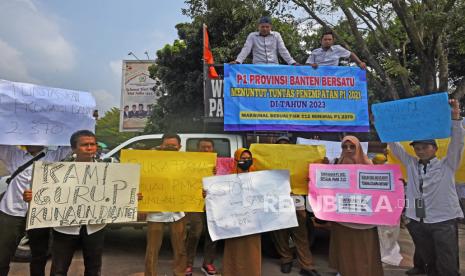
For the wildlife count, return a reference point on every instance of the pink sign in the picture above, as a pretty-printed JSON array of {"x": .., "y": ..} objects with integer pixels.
[
  {"x": 224, "y": 165},
  {"x": 365, "y": 194}
]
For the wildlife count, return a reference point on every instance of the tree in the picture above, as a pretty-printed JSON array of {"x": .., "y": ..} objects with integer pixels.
[
  {"x": 179, "y": 66},
  {"x": 107, "y": 129}
]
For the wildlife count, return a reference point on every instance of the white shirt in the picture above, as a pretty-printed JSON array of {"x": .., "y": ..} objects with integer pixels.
[
  {"x": 12, "y": 203},
  {"x": 165, "y": 216},
  {"x": 328, "y": 57},
  {"x": 439, "y": 193},
  {"x": 265, "y": 49}
]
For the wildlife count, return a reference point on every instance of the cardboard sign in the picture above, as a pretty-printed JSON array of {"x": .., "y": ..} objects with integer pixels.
[
  {"x": 38, "y": 115},
  {"x": 294, "y": 158},
  {"x": 248, "y": 203},
  {"x": 80, "y": 193},
  {"x": 365, "y": 194},
  {"x": 224, "y": 165},
  {"x": 171, "y": 181},
  {"x": 419, "y": 118}
]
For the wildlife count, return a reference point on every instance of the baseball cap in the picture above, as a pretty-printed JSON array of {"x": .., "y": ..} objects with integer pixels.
[{"x": 429, "y": 141}]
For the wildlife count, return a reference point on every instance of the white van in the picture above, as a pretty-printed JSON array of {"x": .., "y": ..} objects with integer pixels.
[{"x": 225, "y": 144}]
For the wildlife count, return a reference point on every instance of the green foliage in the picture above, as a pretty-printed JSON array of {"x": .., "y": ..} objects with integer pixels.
[
  {"x": 412, "y": 47},
  {"x": 107, "y": 129},
  {"x": 180, "y": 68}
]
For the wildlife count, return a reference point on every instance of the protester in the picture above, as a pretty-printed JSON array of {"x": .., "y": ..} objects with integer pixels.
[
  {"x": 265, "y": 46},
  {"x": 67, "y": 238},
  {"x": 299, "y": 236},
  {"x": 174, "y": 220},
  {"x": 330, "y": 54},
  {"x": 242, "y": 255},
  {"x": 388, "y": 235},
  {"x": 354, "y": 248},
  {"x": 197, "y": 222},
  {"x": 13, "y": 209},
  {"x": 432, "y": 202}
]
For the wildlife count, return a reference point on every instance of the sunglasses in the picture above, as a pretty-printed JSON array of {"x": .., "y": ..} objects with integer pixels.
[{"x": 352, "y": 147}]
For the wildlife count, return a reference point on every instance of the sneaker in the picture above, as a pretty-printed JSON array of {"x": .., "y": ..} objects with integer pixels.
[
  {"x": 189, "y": 271},
  {"x": 286, "y": 268},
  {"x": 208, "y": 269}
]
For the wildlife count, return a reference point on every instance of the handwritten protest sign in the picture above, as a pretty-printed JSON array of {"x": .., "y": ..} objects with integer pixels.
[
  {"x": 224, "y": 165},
  {"x": 333, "y": 149},
  {"x": 38, "y": 115},
  {"x": 248, "y": 203},
  {"x": 294, "y": 158},
  {"x": 365, "y": 194},
  {"x": 171, "y": 181},
  {"x": 298, "y": 98},
  {"x": 413, "y": 118},
  {"x": 80, "y": 193},
  {"x": 443, "y": 145}
]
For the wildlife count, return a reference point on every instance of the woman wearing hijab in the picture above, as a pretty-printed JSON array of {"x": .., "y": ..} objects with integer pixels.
[
  {"x": 354, "y": 248},
  {"x": 242, "y": 255}
]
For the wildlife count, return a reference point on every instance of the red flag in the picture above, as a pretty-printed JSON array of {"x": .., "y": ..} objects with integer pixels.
[{"x": 207, "y": 55}]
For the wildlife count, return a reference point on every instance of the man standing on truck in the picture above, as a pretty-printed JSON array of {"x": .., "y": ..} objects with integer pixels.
[
  {"x": 197, "y": 222},
  {"x": 175, "y": 221},
  {"x": 330, "y": 54},
  {"x": 265, "y": 46}
]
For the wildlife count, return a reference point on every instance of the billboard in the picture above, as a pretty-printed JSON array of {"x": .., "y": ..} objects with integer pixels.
[{"x": 137, "y": 95}]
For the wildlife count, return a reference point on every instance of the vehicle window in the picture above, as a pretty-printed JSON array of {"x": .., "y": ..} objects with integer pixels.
[
  {"x": 222, "y": 146},
  {"x": 145, "y": 144}
]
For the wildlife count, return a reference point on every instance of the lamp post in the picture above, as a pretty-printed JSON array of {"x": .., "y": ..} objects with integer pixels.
[
  {"x": 147, "y": 54},
  {"x": 132, "y": 54}
]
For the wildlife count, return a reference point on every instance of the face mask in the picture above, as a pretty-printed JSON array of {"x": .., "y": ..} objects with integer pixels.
[{"x": 244, "y": 164}]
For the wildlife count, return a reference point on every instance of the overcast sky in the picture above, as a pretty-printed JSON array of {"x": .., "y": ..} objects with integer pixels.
[{"x": 79, "y": 44}]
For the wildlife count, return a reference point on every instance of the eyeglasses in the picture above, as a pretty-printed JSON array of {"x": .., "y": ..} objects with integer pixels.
[{"x": 352, "y": 147}]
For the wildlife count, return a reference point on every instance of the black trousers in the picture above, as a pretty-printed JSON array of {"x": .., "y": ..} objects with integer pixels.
[
  {"x": 11, "y": 231},
  {"x": 437, "y": 246},
  {"x": 64, "y": 246},
  {"x": 39, "y": 242}
]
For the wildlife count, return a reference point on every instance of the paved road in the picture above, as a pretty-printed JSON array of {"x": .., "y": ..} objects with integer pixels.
[{"x": 125, "y": 249}]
